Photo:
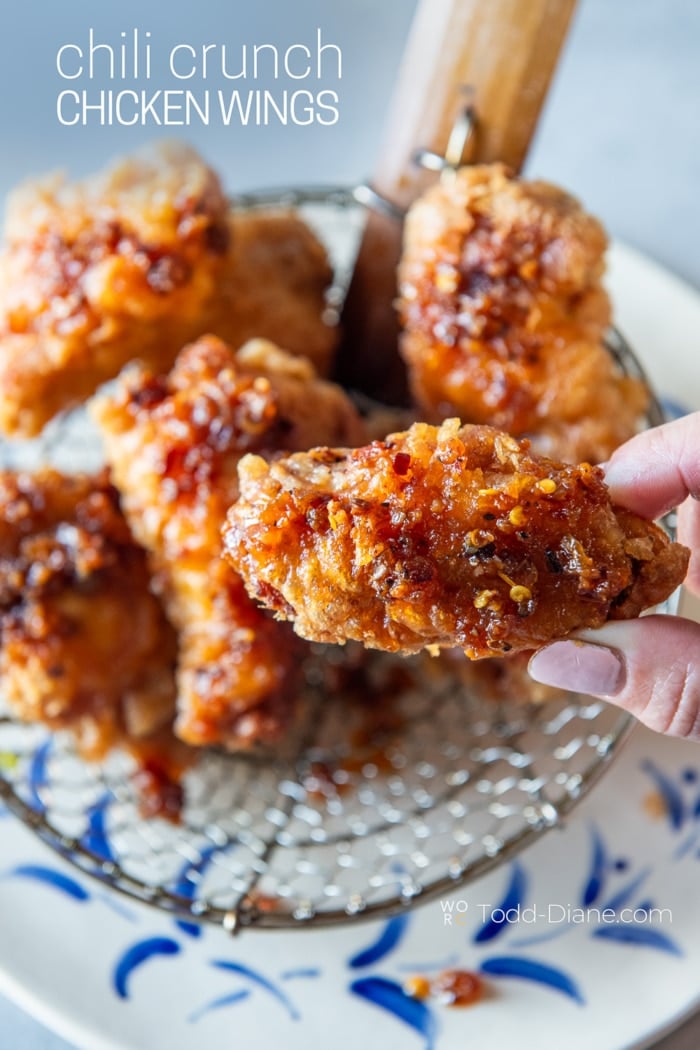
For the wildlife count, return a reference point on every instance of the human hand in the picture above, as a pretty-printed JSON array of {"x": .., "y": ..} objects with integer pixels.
[{"x": 649, "y": 666}]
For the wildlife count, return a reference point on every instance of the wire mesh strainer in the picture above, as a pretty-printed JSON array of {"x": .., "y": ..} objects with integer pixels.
[{"x": 402, "y": 780}]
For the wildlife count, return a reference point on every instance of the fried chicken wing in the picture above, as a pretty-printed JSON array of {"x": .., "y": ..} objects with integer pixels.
[
  {"x": 274, "y": 287},
  {"x": 84, "y": 644},
  {"x": 173, "y": 443},
  {"x": 443, "y": 537},
  {"x": 504, "y": 315},
  {"x": 133, "y": 263}
]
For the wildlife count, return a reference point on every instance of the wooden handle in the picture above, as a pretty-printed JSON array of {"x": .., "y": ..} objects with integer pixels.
[
  {"x": 497, "y": 54},
  {"x": 503, "y": 53}
]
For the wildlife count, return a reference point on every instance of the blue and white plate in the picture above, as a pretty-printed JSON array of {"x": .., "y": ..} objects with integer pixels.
[{"x": 590, "y": 938}]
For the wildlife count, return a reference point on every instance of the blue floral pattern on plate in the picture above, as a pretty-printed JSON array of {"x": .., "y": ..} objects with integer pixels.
[{"x": 497, "y": 945}]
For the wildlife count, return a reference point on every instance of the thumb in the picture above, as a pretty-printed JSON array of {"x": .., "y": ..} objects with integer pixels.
[{"x": 649, "y": 667}]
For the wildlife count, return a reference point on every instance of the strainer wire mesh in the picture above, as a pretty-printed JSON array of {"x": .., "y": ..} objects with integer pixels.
[{"x": 447, "y": 785}]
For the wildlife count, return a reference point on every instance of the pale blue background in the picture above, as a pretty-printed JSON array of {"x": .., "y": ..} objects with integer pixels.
[{"x": 621, "y": 129}]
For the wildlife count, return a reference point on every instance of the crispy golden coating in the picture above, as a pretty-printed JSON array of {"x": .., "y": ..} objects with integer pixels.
[
  {"x": 274, "y": 287},
  {"x": 133, "y": 263},
  {"x": 84, "y": 644},
  {"x": 443, "y": 537},
  {"x": 98, "y": 272},
  {"x": 173, "y": 443},
  {"x": 504, "y": 315}
]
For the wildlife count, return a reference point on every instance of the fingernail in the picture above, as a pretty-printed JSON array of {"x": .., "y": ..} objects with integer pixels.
[
  {"x": 619, "y": 474},
  {"x": 580, "y": 667}
]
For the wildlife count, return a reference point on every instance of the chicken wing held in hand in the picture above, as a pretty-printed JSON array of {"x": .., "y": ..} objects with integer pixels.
[
  {"x": 448, "y": 537},
  {"x": 132, "y": 264},
  {"x": 504, "y": 315},
  {"x": 84, "y": 644},
  {"x": 173, "y": 443}
]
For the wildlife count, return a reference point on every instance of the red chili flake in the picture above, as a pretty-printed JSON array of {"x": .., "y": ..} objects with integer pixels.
[{"x": 402, "y": 462}]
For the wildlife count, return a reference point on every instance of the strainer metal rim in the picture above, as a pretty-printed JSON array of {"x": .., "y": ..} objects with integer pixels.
[
  {"x": 232, "y": 919},
  {"x": 235, "y": 920}
]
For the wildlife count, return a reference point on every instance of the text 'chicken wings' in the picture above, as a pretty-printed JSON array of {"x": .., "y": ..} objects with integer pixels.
[
  {"x": 173, "y": 443},
  {"x": 443, "y": 537},
  {"x": 84, "y": 644},
  {"x": 132, "y": 264},
  {"x": 504, "y": 315}
]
